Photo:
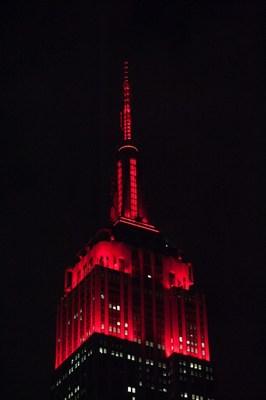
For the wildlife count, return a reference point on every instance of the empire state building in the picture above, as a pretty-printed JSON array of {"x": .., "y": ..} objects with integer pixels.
[{"x": 131, "y": 325}]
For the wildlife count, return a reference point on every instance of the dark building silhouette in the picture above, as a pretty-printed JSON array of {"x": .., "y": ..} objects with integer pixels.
[{"x": 131, "y": 324}]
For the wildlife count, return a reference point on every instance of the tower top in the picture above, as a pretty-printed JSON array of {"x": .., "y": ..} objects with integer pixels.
[{"x": 128, "y": 205}]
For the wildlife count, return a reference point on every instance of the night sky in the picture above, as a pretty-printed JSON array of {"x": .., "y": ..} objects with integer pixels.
[{"x": 195, "y": 70}]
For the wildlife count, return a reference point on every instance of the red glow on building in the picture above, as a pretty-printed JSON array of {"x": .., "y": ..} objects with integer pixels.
[
  {"x": 131, "y": 291},
  {"x": 92, "y": 305},
  {"x": 133, "y": 189},
  {"x": 119, "y": 186}
]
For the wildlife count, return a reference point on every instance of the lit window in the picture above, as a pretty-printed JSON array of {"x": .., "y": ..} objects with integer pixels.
[
  {"x": 126, "y": 333},
  {"x": 126, "y": 324},
  {"x": 129, "y": 389},
  {"x": 149, "y": 276},
  {"x": 118, "y": 307},
  {"x": 133, "y": 390},
  {"x": 118, "y": 323}
]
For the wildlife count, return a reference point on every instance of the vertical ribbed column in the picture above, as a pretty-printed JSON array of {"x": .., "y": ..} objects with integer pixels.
[
  {"x": 106, "y": 301},
  {"x": 184, "y": 325},
  {"x": 205, "y": 324}
]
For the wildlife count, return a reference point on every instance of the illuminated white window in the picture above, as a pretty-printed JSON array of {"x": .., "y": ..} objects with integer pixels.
[
  {"x": 102, "y": 296},
  {"x": 129, "y": 389},
  {"x": 118, "y": 323},
  {"x": 118, "y": 307},
  {"x": 180, "y": 339},
  {"x": 149, "y": 276},
  {"x": 126, "y": 324},
  {"x": 126, "y": 333},
  {"x": 133, "y": 390}
]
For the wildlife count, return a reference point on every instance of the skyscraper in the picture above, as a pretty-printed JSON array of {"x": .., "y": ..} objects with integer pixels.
[{"x": 131, "y": 324}]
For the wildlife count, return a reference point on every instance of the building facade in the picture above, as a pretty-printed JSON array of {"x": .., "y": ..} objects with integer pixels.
[{"x": 131, "y": 324}]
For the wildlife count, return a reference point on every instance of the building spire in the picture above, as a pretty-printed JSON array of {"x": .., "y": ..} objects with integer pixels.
[
  {"x": 127, "y": 202},
  {"x": 126, "y": 113}
]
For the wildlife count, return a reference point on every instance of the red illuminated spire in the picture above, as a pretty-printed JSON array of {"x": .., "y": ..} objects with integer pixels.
[
  {"x": 126, "y": 113},
  {"x": 127, "y": 206}
]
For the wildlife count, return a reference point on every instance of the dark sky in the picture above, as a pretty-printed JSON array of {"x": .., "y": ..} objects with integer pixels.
[{"x": 196, "y": 79}]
